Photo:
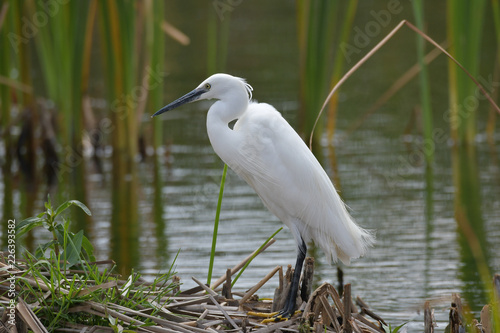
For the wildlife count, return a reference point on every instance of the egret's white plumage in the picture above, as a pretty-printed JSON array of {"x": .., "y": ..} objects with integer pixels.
[{"x": 264, "y": 150}]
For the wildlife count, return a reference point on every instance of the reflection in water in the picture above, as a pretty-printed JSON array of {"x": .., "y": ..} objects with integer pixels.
[
  {"x": 470, "y": 226},
  {"x": 159, "y": 221},
  {"x": 418, "y": 254},
  {"x": 124, "y": 222},
  {"x": 429, "y": 227}
]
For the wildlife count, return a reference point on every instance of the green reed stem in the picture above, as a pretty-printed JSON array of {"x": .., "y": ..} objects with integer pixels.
[
  {"x": 425, "y": 92},
  {"x": 465, "y": 47},
  {"x": 254, "y": 255},
  {"x": 217, "y": 41},
  {"x": 120, "y": 40},
  {"x": 216, "y": 225},
  {"x": 316, "y": 27},
  {"x": 338, "y": 65},
  {"x": 155, "y": 41},
  {"x": 495, "y": 5}
]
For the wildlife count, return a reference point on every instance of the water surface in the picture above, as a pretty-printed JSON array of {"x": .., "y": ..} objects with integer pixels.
[{"x": 418, "y": 255}]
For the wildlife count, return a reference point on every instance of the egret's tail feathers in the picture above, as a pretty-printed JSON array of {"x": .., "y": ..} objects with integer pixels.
[
  {"x": 366, "y": 240},
  {"x": 347, "y": 249}
]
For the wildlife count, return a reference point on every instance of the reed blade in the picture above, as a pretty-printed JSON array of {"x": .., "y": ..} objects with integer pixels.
[
  {"x": 425, "y": 91},
  {"x": 216, "y": 225}
]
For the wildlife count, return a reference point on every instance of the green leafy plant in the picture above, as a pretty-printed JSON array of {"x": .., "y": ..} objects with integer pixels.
[
  {"x": 86, "y": 294},
  {"x": 72, "y": 244},
  {"x": 389, "y": 329}
]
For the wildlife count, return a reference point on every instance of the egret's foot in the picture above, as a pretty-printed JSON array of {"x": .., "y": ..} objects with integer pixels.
[
  {"x": 262, "y": 314},
  {"x": 269, "y": 317},
  {"x": 280, "y": 316}
]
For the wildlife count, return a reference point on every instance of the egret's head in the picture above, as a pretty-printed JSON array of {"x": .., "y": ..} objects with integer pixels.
[{"x": 215, "y": 87}]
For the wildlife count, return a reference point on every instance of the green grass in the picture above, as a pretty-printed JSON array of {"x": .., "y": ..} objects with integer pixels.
[
  {"x": 64, "y": 284},
  {"x": 216, "y": 225}
]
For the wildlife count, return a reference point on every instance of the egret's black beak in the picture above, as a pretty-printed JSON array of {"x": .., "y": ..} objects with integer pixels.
[{"x": 188, "y": 98}]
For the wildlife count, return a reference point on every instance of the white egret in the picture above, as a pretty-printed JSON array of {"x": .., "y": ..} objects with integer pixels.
[{"x": 264, "y": 150}]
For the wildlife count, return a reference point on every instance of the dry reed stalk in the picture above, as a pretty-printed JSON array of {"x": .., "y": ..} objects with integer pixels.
[
  {"x": 202, "y": 309},
  {"x": 376, "y": 48}
]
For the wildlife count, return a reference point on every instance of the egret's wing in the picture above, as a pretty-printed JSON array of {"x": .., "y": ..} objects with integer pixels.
[{"x": 275, "y": 161}]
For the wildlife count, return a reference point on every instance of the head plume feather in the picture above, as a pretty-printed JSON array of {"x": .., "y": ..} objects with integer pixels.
[{"x": 248, "y": 88}]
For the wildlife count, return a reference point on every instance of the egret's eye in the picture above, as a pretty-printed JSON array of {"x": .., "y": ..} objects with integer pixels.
[{"x": 208, "y": 86}]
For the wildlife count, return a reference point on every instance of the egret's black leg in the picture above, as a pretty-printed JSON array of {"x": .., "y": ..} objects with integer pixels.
[{"x": 289, "y": 307}]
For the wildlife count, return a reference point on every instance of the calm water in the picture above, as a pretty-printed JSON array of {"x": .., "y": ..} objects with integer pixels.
[{"x": 417, "y": 256}]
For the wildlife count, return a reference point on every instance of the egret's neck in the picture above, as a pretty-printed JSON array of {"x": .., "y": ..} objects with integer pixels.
[
  {"x": 230, "y": 106},
  {"x": 222, "y": 112}
]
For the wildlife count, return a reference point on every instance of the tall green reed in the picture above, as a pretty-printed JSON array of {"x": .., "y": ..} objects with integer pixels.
[
  {"x": 338, "y": 65},
  {"x": 19, "y": 31},
  {"x": 318, "y": 22},
  {"x": 26, "y": 102},
  {"x": 216, "y": 226},
  {"x": 217, "y": 40},
  {"x": 155, "y": 46},
  {"x": 465, "y": 42},
  {"x": 62, "y": 39},
  {"x": 465, "y": 175},
  {"x": 316, "y": 26},
  {"x": 119, "y": 44},
  {"x": 465, "y": 46},
  {"x": 425, "y": 91},
  {"x": 60, "y": 45},
  {"x": 490, "y": 127},
  {"x": 134, "y": 82},
  {"x": 426, "y": 111}
]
